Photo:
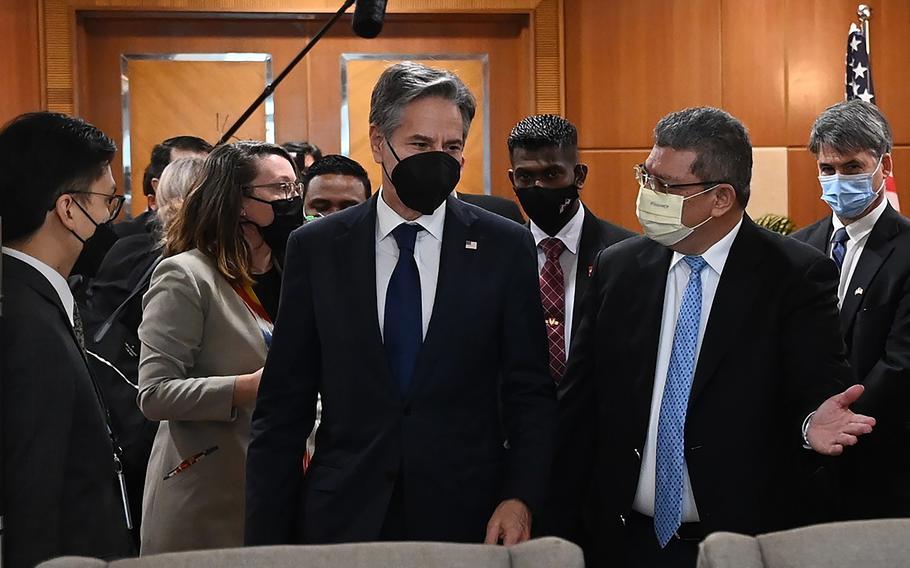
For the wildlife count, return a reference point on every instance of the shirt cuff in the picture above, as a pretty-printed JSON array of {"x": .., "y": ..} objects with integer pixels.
[{"x": 806, "y": 423}]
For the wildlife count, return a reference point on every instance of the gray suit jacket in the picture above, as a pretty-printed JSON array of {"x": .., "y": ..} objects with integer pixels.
[{"x": 197, "y": 335}]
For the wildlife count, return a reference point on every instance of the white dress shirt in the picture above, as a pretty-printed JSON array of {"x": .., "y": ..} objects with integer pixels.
[
  {"x": 427, "y": 250},
  {"x": 570, "y": 235},
  {"x": 858, "y": 233},
  {"x": 677, "y": 279},
  {"x": 55, "y": 278}
]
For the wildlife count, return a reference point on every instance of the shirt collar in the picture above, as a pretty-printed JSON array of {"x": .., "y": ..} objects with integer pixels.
[
  {"x": 387, "y": 219},
  {"x": 55, "y": 278},
  {"x": 570, "y": 235},
  {"x": 863, "y": 226},
  {"x": 716, "y": 255}
]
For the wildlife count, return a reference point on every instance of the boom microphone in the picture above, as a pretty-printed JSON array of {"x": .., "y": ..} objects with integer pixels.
[{"x": 368, "y": 17}]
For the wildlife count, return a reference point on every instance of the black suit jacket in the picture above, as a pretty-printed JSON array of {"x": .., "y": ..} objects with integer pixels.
[
  {"x": 876, "y": 327},
  {"x": 481, "y": 377},
  {"x": 494, "y": 204},
  {"x": 146, "y": 223},
  {"x": 771, "y": 354},
  {"x": 560, "y": 516},
  {"x": 58, "y": 475}
]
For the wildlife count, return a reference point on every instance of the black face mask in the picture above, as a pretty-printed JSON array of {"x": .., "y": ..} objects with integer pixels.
[
  {"x": 288, "y": 216},
  {"x": 549, "y": 208},
  {"x": 95, "y": 247},
  {"x": 423, "y": 181}
]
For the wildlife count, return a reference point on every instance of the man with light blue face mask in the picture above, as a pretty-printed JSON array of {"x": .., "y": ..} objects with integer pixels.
[
  {"x": 707, "y": 363},
  {"x": 870, "y": 243}
]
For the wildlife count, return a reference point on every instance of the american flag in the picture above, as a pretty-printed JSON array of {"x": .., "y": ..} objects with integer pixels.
[{"x": 858, "y": 84}]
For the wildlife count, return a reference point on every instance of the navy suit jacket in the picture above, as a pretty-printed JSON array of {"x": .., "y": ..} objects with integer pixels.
[
  {"x": 481, "y": 379},
  {"x": 875, "y": 321}
]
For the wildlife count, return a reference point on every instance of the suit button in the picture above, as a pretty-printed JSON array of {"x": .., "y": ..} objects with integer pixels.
[{"x": 407, "y": 410}]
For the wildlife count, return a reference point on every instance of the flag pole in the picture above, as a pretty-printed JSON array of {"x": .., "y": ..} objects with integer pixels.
[{"x": 864, "y": 12}]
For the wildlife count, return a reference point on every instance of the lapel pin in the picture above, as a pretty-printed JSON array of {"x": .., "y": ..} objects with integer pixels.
[
  {"x": 590, "y": 270},
  {"x": 470, "y": 245},
  {"x": 858, "y": 292}
]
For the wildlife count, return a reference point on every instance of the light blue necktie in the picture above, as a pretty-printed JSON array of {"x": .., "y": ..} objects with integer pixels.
[{"x": 671, "y": 425}]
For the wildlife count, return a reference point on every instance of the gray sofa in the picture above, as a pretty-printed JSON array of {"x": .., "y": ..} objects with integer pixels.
[
  {"x": 539, "y": 553},
  {"x": 858, "y": 544}
]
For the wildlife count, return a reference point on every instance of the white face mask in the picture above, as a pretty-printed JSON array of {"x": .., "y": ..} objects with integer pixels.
[{"x": 660, "y": 215}]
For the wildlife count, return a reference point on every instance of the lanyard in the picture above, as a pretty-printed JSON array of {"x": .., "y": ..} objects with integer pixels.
[{"x": 249, "y": 297}]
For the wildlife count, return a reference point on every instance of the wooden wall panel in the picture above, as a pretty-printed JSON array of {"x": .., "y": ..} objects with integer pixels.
[
  {"x": 816, "y": 47},
  {"x": 890, "y": 63},
  {"x": 307, "y": 103},
  {"x": 754, "y": 68},
  {"x": 630, "y": 62},
  {"x": 20, "y": 63},
  {"x": 610, "y": 189},
  {"x": 804, "y": 191}
]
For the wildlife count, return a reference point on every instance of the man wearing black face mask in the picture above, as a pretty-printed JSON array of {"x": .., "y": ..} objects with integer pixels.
[
  {"x": 547, "y": 178},
  {"x": 440, "y": 298},
  {"x": 59, "y": 480}
]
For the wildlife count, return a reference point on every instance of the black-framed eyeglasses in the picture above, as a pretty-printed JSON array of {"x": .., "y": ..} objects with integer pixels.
[
  {"x": 654, "y": 183},
  {"x": 114, "y": 202},
  {"x": 284, "y": 189}
]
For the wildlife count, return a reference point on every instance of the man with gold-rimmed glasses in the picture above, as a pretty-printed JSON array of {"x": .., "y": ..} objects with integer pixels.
[{"x": 707, "y": 359}]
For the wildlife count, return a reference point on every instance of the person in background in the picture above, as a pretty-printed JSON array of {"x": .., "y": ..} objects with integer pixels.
[
  {"x": 304, "y": 154},
  {"x": 60, "y": 493},
  {"x": 547, "y": 179},
  {"x": 334, "y": 183},
  {"x": 111, "y": 314},
  {"x": 205, "y": 331},
  {"x": 494, "y": 204},
  {"x": 162, "y": 154},
  {"x": 870, "y": 244}
]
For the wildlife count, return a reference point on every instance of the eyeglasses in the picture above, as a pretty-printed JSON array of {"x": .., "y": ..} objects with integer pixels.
[
  {"x": 654, "y": 183},
  {"x": 284, "y": 189},
  {"x": 114, "y": 202}
]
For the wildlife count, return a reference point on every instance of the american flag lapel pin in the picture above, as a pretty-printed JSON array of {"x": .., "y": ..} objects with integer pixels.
[
  {"x": 858, "y": 292},
  {"x": 470, "y": 245},
  {"x": 590, "y": 270}
]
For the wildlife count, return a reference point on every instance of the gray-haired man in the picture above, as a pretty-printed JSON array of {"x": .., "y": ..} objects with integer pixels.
[
  {"x": 423, "y": 332},
  {"x": 870, "y": 243}
]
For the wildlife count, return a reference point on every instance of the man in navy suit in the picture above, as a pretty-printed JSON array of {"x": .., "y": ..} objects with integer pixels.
[
  {"x": 869, "y": 242},
  {"x": 417, "y": 318}
]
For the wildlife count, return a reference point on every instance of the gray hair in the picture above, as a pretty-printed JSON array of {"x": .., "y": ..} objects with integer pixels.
[
  {"x": 177, "y": 180},
  {"x": 720, "y": 141},
  {"x": 850, "y": 127},
  {"x": 406, "y": 82}
]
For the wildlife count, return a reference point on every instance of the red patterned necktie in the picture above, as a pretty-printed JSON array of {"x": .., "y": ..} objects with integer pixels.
[{"x": 553, "y": 298}]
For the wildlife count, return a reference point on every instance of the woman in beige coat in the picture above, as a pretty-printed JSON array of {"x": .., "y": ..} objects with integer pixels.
[{"x": 206, "y": 327}]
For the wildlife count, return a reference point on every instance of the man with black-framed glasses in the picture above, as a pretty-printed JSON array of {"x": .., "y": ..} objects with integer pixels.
[
  {"x": 60, "y": 462},
  {"x": 708, "y": 363}
]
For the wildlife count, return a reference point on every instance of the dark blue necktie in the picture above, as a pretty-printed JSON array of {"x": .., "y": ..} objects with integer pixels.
[
  {"x": 403, "y": 325},
  {"x": 839, "y": 246}
]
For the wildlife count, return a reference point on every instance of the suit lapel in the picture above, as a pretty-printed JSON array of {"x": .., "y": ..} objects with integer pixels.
[
  {"x": 588, "y": 247},
  {"x": 455, "y": 262},
  {"x": 355, "y": 257},
  {"x": 647, "y": 307},
  {"x": 740, "y": 282},
  {"x": 15, "y": 268},
  {"x": 821, "y": 236},
  {"x": 878, "y": 248}
]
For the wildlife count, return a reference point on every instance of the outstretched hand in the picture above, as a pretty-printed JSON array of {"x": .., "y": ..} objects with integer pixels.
[{"x": 834, "y": 425}]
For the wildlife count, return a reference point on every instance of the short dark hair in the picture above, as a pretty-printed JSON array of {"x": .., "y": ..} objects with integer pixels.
[
  {"x": 721, "y": 142},
  {"x": 161, "y": 157},
  {"x": 849, "y": 127},
  {"x": 338, "y": 165},
  {"x": 42, "y": 156},
  {"x": 544, "y": 131},
  {"x": 300, "y": 150}
]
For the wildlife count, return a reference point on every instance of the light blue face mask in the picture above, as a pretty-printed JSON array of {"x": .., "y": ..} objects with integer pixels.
[{"x": 849, "y": 195}]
